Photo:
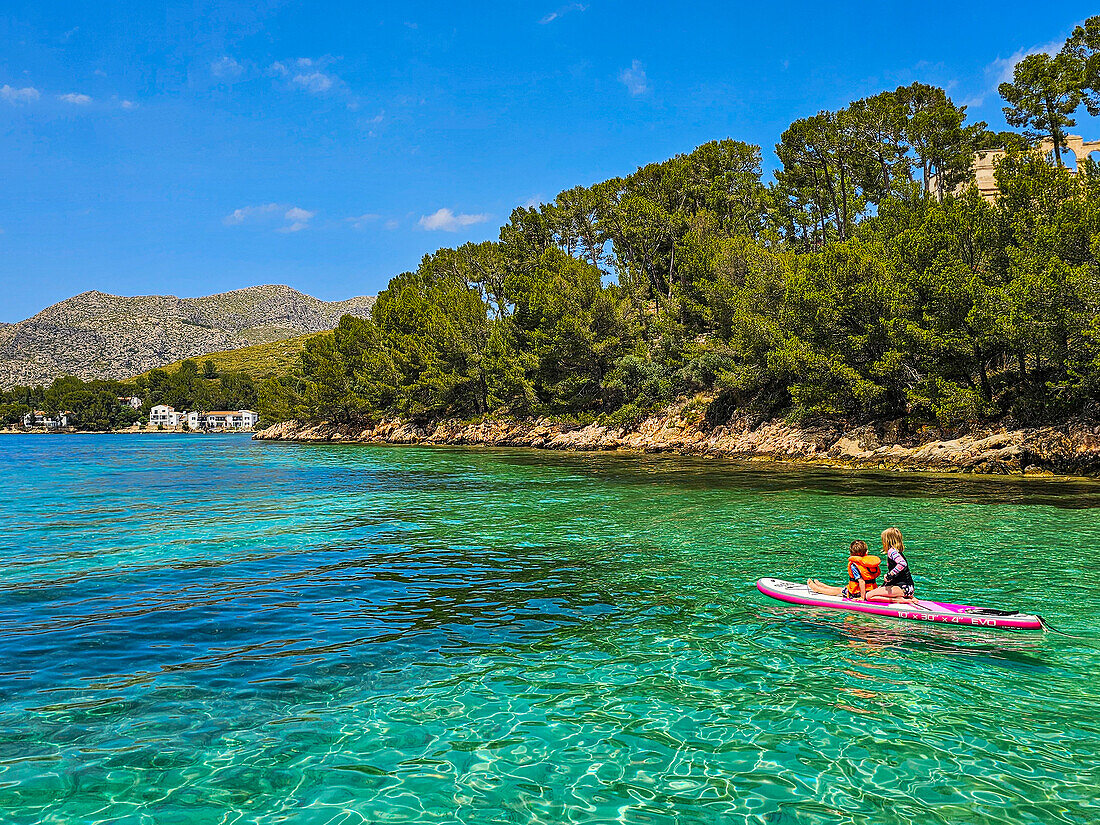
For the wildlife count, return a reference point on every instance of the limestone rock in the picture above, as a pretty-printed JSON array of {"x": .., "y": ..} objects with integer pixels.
[{"x": 1073, "y": 450}]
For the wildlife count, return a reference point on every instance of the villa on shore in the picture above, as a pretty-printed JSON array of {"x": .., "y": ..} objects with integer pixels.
[
  {"x": 39, "y": 418},
  {"x": 168, "y": 417},
  {"x": 162, "y": 416}
]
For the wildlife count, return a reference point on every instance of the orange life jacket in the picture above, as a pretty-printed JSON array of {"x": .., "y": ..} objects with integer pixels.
[{"x": 868, "y": 567}]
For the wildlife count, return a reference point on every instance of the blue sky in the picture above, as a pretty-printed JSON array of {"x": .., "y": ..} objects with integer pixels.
[{"x": 191, "y": 148}]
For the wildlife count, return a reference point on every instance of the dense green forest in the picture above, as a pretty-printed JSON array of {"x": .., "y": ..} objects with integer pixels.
[
  {"x": 859, "y": 285},
  {"x": 865, "y": 282},
  {"x": 94, "y": 405}
]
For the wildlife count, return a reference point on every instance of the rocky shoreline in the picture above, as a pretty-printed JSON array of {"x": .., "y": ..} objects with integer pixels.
[
  {"x": 124, "y": 431},
  {"x": 1072, "y": 450}
]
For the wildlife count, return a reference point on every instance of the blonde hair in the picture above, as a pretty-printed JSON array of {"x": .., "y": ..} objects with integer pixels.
[{"x": 891, "y": 537}]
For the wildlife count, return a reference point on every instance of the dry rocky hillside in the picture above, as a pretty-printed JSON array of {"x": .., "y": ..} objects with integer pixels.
[{"x": 96, "y": 335}]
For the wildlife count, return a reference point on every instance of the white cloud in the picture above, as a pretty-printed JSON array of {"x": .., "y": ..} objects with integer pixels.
[
  {"x": 446, "y": 220},
  {"x": 360, "y": 221},
  {"x": 128, "y": 104},
  {"x": 392, "y": 224},
  {"x": 13, "y": 95},
  {"x": 226, "y": 68},
  {"x": 241, "y": 215},
  {"x": 634, "y": 78},
  {"x": 299, "y": 219},
  {"x": 1000, "y": 70},
  {"x": 561, "y": 12},
  {"x": 264, "y": 213},
  {"x": 367, "y": 122},
  {"x": 307, "y": 74},
  {"x": 296, "y": 213},
  {"x": 75, "y": 98},
  {"x": 315, "y": 82}
]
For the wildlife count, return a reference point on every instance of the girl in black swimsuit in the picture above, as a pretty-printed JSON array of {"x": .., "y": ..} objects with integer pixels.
[{"x": 897, "y": 585}]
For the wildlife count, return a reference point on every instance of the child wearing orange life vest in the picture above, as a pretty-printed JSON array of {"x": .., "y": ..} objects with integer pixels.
[{"x": 863, "y": 570}]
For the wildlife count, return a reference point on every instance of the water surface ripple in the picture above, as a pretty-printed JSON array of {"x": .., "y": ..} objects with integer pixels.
[{"x": 211, "y": 630}]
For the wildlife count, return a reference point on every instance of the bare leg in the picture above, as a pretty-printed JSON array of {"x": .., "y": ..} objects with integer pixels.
[
  {"x": 892, "y": 594},
  {"x": 824, "y": 589}
]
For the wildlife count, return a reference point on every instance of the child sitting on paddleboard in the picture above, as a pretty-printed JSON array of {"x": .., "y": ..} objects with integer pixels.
[
  {"x": 863, "y": 570},
  {"x": 897, "y": 584}
]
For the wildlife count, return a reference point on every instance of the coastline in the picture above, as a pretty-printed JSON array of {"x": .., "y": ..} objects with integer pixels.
[
  {"x": 128, "y": 431},
  {"x": 1068, "y": 451}
]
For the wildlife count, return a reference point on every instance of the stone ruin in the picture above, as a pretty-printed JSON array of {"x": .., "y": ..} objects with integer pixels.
[{"x": 985, "y": 161}]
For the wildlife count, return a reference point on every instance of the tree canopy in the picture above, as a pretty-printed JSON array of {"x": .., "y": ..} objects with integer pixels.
[{"x": 867, "y": 281}]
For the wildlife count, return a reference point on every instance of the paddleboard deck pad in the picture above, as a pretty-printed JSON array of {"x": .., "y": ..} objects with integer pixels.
[{"x": 958, "y": 614}]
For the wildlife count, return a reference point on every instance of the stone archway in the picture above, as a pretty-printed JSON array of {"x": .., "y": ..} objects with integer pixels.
[
  {"x": 1080, "y": 148},
  {"x": 1077, "y": 151},
  {"x": 1069, "y": 159}
]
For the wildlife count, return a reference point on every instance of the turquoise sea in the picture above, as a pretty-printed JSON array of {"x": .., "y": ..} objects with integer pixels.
[{"x": 212, "y": 630}]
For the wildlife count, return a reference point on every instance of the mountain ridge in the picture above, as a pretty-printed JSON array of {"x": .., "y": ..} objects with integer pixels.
[{"x": 99, "y": 335}]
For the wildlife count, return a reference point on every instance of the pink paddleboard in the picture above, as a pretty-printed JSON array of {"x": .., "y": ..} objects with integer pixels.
[{"x": 961, "y": 614}]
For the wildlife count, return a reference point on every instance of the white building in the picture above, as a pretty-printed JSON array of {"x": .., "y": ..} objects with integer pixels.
[
  {"x": 164, "y": 416},
  {"x": 230, "y": 420},
  {"x": 38, "y": 418},
  {"x": 161, "y": 414},
  {"x": 133, "y": 402}
]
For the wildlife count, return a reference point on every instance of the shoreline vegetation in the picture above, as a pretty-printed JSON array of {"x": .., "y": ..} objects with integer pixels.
[
  {"x": 870, "y": 306},
  {"x": 114, "y": 406},
  {"x": 1064, "y": 451}
]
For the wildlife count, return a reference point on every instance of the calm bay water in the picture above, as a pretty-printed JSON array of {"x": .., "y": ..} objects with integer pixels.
[{"x": 211, "y": 630}]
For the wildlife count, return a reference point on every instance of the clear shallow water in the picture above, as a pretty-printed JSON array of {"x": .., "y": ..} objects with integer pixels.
[{"x": 209, "y": 630}]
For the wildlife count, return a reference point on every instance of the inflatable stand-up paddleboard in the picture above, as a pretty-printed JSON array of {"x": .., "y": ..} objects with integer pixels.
[{"x": 960, "y": 614}]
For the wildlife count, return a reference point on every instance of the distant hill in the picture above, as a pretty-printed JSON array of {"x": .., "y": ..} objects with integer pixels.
[
  {"x": 259, "y": 360},
  {"x": 96, "y": 335}
]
